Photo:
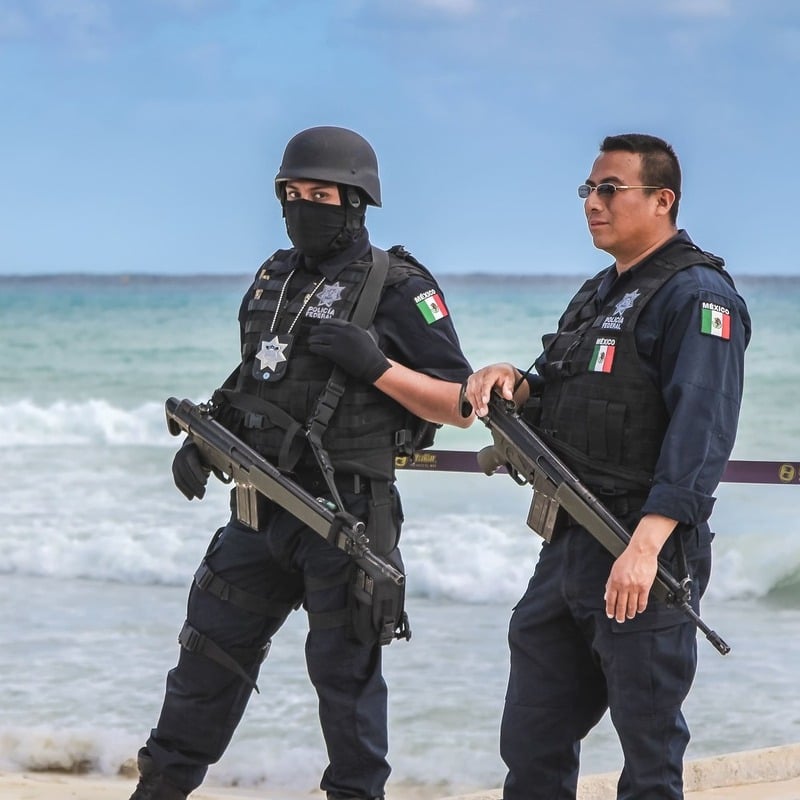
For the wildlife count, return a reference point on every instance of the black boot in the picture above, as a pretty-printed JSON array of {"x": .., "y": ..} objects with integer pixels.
[{"x": 152, "y": 784}]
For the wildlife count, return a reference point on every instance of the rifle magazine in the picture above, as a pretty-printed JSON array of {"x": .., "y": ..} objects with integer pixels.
[
  {"x": 544, "y": 516},
  {"x": 247, "y": 505}
]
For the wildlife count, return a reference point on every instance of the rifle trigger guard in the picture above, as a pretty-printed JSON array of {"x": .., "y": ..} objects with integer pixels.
[
  {"x": 221, "y": 475},
  {"x": 516, "y": 476}
]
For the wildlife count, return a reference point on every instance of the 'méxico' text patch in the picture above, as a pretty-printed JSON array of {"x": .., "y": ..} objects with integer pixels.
[
  {"x": 715, "y": 320},
  {"x": 431, "y": 305},
  {"x": 603, "y": 356}
]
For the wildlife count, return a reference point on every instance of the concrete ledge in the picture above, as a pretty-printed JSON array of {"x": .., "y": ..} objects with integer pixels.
[{"x": 733, "y": 769}]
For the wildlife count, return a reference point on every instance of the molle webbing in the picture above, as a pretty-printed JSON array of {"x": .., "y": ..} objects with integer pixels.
[
  {"x": 361, "y": 434},
  {"x": 609, "y": 425},
  {"x": 328, "y": 400},
  {"x": 267, "y": 291}
]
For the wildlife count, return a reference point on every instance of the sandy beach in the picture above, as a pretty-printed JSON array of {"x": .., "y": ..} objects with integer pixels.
[
  {"x": 68, "y": 787},
  {"x": 768, "y": 774}
]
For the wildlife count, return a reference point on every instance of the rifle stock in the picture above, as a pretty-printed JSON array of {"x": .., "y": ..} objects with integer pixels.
[
  {"x": 528, "y": 459},
  {"x": 232, "y": 459}
]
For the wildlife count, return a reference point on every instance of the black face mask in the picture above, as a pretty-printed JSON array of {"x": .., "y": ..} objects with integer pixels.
[{"x": 315, "y": 228}]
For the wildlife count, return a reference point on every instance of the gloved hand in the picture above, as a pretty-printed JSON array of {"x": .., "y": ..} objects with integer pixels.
[
  {"x": 349, "y": 346},
  {"x": 189, "y": 472}
]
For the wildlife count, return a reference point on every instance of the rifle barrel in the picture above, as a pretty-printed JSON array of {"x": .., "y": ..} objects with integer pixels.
[
  {"x": 247, "y": 467},
  {"x": 527, "y": 455}
]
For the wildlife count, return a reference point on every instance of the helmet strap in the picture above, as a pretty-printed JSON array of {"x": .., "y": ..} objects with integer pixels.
[{"x": 355, "y": 208}]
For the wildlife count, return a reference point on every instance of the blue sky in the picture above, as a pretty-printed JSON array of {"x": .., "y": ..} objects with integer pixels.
[{"x": 144, "y": 135}]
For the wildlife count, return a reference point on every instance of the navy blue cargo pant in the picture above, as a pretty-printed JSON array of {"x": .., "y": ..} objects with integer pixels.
[
  {"x": 569, "y": 663},
  {"x": 268, "y": 573}
]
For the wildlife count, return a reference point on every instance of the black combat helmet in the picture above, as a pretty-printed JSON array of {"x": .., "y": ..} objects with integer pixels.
[{"x": 335, "y": 155}]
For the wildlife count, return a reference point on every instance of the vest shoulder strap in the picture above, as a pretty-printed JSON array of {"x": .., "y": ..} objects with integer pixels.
[
  {"x": 686, "y": 254},
  {"x": 404, "y": 265},
  {"x": 367, "y": 303},
  {"x": 328, "y": 401}
]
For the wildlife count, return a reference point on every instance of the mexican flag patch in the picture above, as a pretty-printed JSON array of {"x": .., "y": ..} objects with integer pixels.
[
  {"x": 715, "y": 320},
  {"x": 603, "y": 356},
  {"x": 431, "y": 306}
]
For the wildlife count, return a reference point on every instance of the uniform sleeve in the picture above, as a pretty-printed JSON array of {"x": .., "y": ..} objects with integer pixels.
[
  {"x": 696, "y": 349},
  {"x": 415, "y": 328}
]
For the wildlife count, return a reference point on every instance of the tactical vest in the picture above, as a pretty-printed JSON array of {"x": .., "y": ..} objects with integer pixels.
[
  {"x": 363, "y": 434},
  {"x": 600, "y": 410}
]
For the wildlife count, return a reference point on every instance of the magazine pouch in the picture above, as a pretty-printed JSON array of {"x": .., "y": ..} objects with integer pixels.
[{"x": 376, "y": 604}]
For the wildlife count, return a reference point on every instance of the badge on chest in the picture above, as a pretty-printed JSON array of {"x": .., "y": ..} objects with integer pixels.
[{"x": 272, "y": 357}]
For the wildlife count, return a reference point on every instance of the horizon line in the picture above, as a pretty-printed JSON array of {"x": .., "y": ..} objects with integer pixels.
[{"x": 171, "y": 276}]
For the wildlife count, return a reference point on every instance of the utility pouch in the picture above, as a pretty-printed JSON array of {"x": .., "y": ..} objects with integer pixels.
[
  {"x": 376, "y": 604},
  {"x": 419, "y": 435},
  {"x": 545, "y": 516},
  {"x": 385, "y": 517}
]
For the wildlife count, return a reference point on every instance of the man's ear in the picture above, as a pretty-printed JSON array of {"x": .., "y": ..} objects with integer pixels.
[{"x": 666, "y": 199}]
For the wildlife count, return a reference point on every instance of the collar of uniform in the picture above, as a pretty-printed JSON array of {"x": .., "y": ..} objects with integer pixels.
[
  {"x": 681, "y": 237},
  {"x": 613, "y": 281},
  {"x": 331, "y": 267},
  {"x": 609, "y": 279}
]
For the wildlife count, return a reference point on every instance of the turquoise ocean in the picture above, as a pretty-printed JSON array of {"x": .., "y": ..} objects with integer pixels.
[{"x": 99, "y": 547}]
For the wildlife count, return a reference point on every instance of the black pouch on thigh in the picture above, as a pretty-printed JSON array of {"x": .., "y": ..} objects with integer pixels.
[
  {"x": 376, "y": 604},
  {"x": 385, "y": 517}
]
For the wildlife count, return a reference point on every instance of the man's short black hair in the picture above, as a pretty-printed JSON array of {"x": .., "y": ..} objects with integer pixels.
[{"x": 660, "y": 165}]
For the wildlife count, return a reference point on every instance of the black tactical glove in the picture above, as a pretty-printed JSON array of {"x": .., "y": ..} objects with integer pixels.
[
  {"x": 349, "y": 346},
  {"x": 189, "y": 472}
]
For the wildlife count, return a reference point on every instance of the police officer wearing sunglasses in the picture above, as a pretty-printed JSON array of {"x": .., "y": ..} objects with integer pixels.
[
  {"x": 639, "y": 392},
  {"x": 349, "y": 359}
]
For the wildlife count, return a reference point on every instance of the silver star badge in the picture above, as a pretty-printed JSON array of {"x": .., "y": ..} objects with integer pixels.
[
  {"x": 330, "y": 294},
  {"x": 271, "y": 353},
  {"x": 626, "y": 303}
]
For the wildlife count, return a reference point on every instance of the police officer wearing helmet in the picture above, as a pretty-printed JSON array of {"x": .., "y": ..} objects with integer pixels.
[
  {"x": 638, "y": 391},
  {"x": 349, "y": 359}
]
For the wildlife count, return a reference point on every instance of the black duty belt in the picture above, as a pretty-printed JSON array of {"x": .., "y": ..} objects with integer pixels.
[{"x": 313, "y": 482}]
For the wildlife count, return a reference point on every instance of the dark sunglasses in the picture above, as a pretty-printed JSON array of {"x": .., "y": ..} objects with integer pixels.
[{"x": 607, "y": 189}]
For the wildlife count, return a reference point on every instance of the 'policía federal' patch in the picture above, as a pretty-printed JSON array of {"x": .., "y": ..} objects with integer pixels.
[
  {"x": 431, "y": 306},
  {"x": 715, "y": 320},
  {"x": 603, "y": 355}
]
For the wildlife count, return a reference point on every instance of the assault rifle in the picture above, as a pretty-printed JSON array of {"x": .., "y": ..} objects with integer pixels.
[
  {"x": 528, "y": 460},
  {"x": 232, "y": 460}
]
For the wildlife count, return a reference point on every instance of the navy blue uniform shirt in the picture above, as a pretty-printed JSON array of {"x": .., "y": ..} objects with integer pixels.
[
  {"x": 700, "y": 377},
  {"x": 404, "y": 333}
]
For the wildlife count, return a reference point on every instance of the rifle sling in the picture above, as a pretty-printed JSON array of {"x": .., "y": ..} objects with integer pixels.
[{"x": 328, "y": 401}]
